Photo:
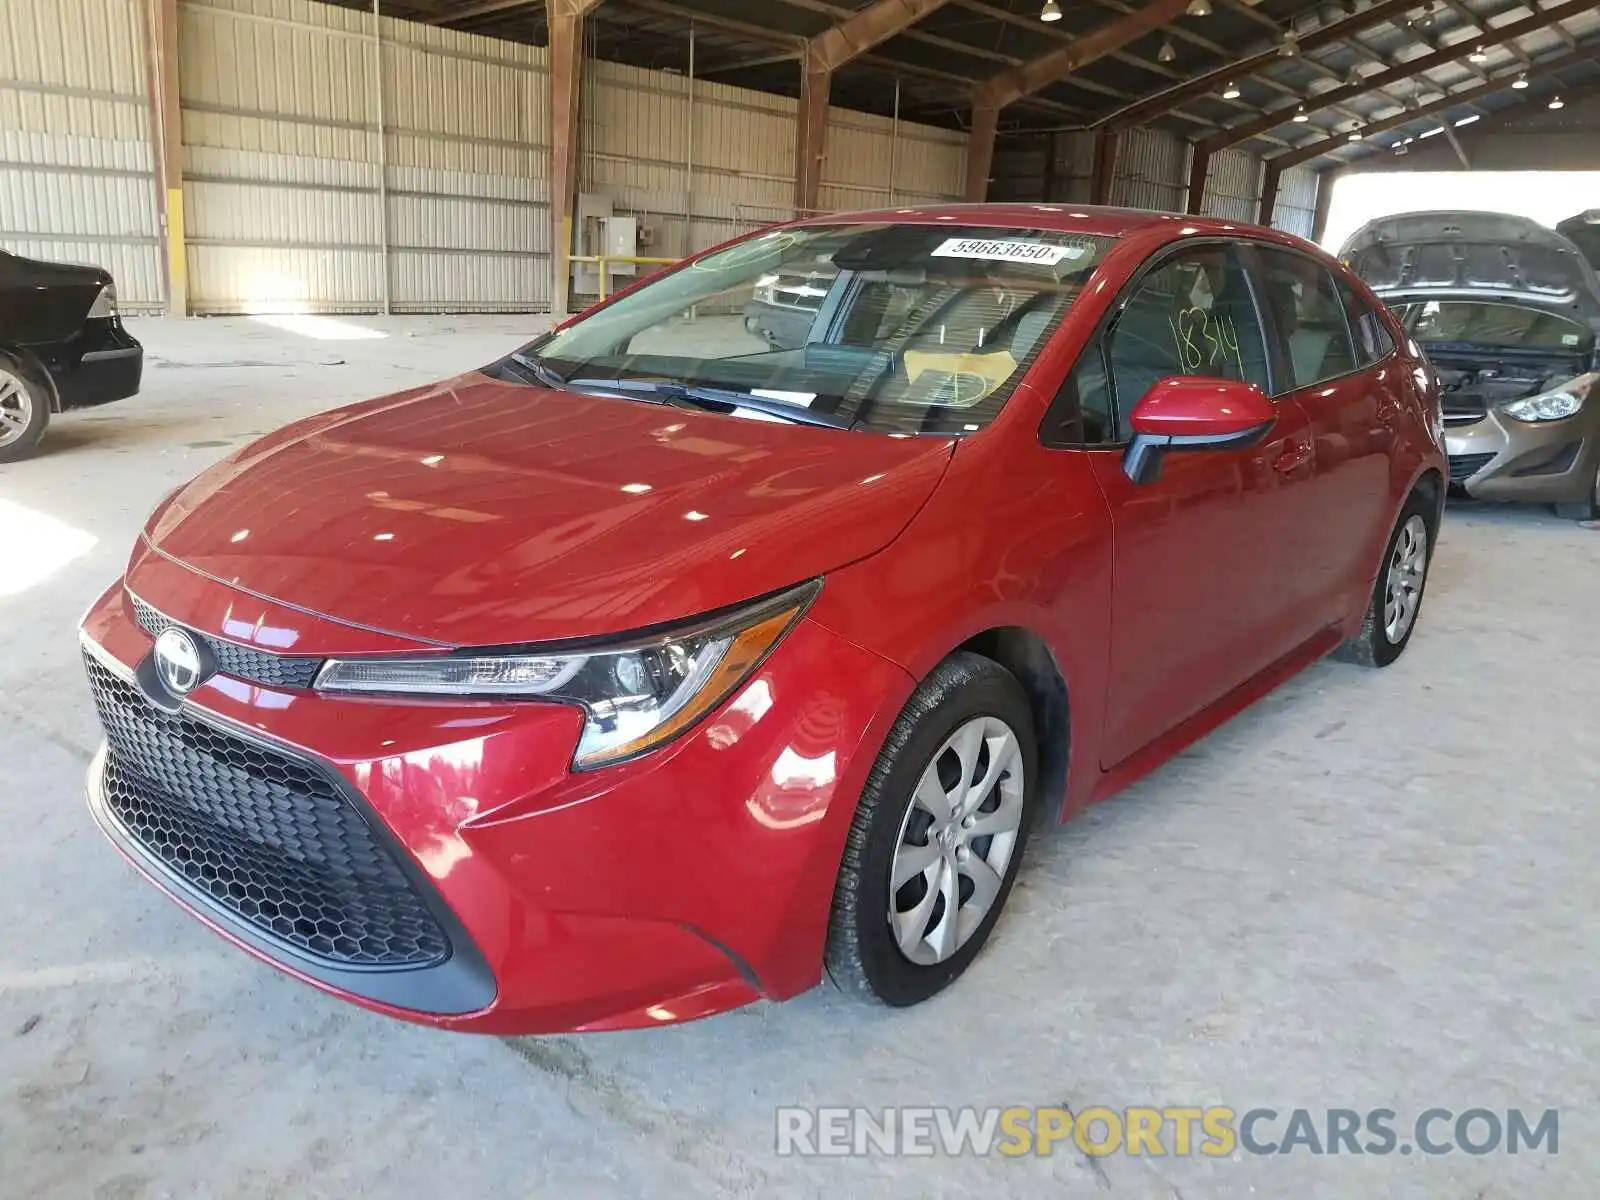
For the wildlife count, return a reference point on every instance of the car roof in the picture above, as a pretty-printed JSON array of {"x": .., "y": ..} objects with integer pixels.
[{"x": 1068, "y": 218}]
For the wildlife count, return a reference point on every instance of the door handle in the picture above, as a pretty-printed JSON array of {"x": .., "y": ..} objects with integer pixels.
[{"x": 1294, "y": 456}]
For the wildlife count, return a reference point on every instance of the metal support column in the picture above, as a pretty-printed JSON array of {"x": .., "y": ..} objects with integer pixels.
[{"x": 166, "y": 138}]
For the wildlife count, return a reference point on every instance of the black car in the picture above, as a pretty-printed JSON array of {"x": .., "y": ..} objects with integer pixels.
[{"x": 62, "y": 345}]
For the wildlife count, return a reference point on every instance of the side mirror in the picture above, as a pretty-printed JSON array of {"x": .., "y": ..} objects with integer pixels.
[{"x": 1194, "y": 413}]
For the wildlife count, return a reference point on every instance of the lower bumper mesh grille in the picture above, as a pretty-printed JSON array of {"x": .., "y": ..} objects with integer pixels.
[{"x": 269, "y": 837}]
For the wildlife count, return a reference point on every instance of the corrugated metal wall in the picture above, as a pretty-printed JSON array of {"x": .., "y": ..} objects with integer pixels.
[
  {"x": 1152, "y": 172},
  {"x": 291, "y": 197},
  {"x": 662, "y": 147},
  {"x": 1233, "y": 186},
  {"x": 1296, "y": 208},
  {"x": 286, "y": 185},
  {"x": 77, "y": 177}
]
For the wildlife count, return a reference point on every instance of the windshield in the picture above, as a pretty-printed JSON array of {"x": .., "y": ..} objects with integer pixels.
[
  {"x": 1481, "y": 323},
  {"x": 893, "y": 328}
]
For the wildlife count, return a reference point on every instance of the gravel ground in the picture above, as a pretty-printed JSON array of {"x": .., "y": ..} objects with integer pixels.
[{"x": 1375, "y": 889}]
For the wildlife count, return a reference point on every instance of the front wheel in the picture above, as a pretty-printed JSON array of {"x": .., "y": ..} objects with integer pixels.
[
  {"x": 1397, "y": 597},
  {"x": 937, "y": 837}
]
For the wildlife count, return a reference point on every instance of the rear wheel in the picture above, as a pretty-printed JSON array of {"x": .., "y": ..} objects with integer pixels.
[
  {"x": 938, "y": 836},
  {"x": 24, "y": 410},
  {"x": 1396, "y": 600}
]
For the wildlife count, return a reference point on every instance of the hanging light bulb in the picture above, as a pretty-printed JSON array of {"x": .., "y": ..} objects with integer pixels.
[
  {"x": 1355, "y": 135},
  {"x": 1478, "y": 55},
  {"x": 1051, "y": 11},
  {"x": 1558, "y": 102},
  {"x": 1289, "y": 47},
  {"x": 1520, "y": 82},
  {"x": 1230, "y": 90},
  {"x": 1168, "y": 51},
  {"x": 1199, "y": 8},
  {"x": 1301, "y": 116},
  {"x": 1353, "y": 79}
]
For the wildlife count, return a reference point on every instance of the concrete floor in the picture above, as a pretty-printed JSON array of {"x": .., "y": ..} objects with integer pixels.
[{"x": 1374, "y": 889}]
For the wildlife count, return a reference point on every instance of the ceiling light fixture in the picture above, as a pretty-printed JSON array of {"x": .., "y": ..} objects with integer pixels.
[
  {"x": 1355, "y": 135},
  {"x": 1289, "y": 47},
  {"x": 1051, "y": 11},
  {"x": 1353, "y": 79},
  {"x": 1520, "y": 82},
  {"x": 1168, "y": 51},
  {"x": 1478, "y": 55},
  {"x": 1230, "y": 90},
  {"x": 1400, "y": 148},
  {"x": 1199, "y": 8},
  {"x": 1301, "y": 116},
  {"x": 1558, "y": 102},
  {"x": 1468, "y": 120}
]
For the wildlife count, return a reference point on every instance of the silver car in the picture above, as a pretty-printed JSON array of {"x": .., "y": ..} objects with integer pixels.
[{"x": 1508, "y": 312}]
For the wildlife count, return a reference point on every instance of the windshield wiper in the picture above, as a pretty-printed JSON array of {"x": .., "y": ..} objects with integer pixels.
[
  {"x": 545, "y": 374},
  {"x": 672, "y": 391}
]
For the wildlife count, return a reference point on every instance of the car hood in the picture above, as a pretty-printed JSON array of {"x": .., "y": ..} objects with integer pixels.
[
  {"x": 1434, "y": 253},
  {"x": 477, "y": 512}
]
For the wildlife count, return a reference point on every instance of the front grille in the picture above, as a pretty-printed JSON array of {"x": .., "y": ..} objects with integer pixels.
[
  {"x": 241, "y": 662},
  {"x": 1465, "y": 466},
  {"x": 269, "y": 837}
]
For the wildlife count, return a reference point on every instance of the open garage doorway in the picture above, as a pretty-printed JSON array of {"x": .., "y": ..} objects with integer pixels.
[{"x": 1545, "y": 196}]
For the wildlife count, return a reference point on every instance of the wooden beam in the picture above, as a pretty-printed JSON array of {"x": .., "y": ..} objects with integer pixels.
[
  {"x": 1498, "y": 84},
  {"x": 980, "y": 153},
  {"x": 1270, "y": 175},
  {"x": 1164, "y": 102},
  {"x": 166, "y": 138},
  {"x": 1105, "y": 166},
  {"x": 1011, "y": 85},
  {"x": 1235, "y": 134},
  {"x": 564, "y": 19},
  {"x": 1199, "y": 164},
  {"x": 825, "y": 54}
]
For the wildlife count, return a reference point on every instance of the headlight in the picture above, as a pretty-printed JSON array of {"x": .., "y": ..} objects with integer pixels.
[
  {"x": 1551, "y": 406},
  {"x": 105, "y": 304},
  {"x": 636, "y": 695}
]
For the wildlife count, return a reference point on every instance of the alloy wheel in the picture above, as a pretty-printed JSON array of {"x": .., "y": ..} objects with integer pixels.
[
  {"x": 16, "y": 407},
  {"x": 957, "y": 840},
  {"x": 1408, "y": 564}
]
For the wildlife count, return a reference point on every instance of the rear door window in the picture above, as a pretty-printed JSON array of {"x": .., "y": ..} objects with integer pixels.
[
  {"x": 1309, "y": 317},
  {"x": 1372, "y": 338}
]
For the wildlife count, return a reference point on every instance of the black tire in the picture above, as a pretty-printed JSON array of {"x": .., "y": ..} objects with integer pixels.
[
  {"x": 1582, "y": 510},
  {"x": 35, "y": 399},
  {"x": 862, "y": 956},
  {"x": 1372, "y": 647}
]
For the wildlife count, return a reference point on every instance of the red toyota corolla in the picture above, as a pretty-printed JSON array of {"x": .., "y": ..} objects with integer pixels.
[{"x": 742, "y": 628}]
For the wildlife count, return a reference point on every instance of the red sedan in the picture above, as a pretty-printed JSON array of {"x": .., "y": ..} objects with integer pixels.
[{"x": 658, "y": 667}]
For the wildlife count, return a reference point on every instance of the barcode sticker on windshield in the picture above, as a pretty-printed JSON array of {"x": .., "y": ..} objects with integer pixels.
[{"x": 1008, "y": 251}]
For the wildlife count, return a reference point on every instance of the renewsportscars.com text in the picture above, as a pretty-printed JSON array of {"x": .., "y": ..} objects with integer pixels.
[{"x": 1213, "y": 1131}]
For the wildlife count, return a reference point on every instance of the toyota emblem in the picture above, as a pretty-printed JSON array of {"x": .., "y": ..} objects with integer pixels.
[{"x": 178, "y": 662}]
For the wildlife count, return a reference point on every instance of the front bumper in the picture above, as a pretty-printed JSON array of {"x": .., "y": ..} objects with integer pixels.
[
  {"x": 1547, "y": 462},
  {"x": 101, "y": 363},
  {"x": 692, "y": 880}
]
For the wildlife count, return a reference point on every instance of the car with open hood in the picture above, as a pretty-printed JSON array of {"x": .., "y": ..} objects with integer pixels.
[
  {"x": 62, "y": 346},
  {"x": 656, "y": 668},
  {"x": 1508, "y": 311}
]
